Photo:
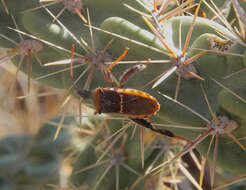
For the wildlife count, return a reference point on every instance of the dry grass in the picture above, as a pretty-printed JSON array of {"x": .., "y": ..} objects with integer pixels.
[{"x": 25, "y": 115}]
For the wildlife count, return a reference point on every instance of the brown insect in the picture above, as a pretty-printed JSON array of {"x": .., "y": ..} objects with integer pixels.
[
  {"x": 130, "y": 103},
  {"x": 220, "y": 45}
]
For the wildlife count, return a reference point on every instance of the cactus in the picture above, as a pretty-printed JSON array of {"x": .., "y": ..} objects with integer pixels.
[
  {"x": 21, "y": 166},
  {"x": 194, "y": 67}
]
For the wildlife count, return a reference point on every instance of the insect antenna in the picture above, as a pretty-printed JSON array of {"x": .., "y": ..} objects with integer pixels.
[{"x": 113, "y": 64}]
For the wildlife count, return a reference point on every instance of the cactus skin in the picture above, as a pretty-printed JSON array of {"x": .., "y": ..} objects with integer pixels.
[
  {"x": 35, "y": 160},
  {"x": 15, "y": 9},
  {"x": 18, "y": 162},
  {"x": 89, "y": 156},
  {"x": 216, "y": 66},
  {"x": 7, "y": 21},
  {"x": 44, "y": 139}
]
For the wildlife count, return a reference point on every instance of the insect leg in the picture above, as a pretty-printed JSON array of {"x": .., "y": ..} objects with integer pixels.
[
  {"x": 147, "y": 124},
  {"x": 114, "y": 63},
  {"x": 129, "y": 72}
]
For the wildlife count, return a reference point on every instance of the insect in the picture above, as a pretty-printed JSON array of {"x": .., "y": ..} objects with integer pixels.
[
  {"x": 219, "y": 44},
  {"x": 130, "y": 103}
]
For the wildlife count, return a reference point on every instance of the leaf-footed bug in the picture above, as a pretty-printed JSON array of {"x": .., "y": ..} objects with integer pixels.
[{"x": 130, "y": 103}]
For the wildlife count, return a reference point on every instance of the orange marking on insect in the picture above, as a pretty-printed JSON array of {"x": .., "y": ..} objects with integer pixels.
[{"x": 137, "y": 93}]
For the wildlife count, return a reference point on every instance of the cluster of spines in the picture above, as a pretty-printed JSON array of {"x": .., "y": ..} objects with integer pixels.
[{"x": 222, "y": 57}]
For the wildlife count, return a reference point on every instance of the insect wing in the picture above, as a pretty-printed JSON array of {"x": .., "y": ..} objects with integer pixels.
[{"x": 129, "y": 102}]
